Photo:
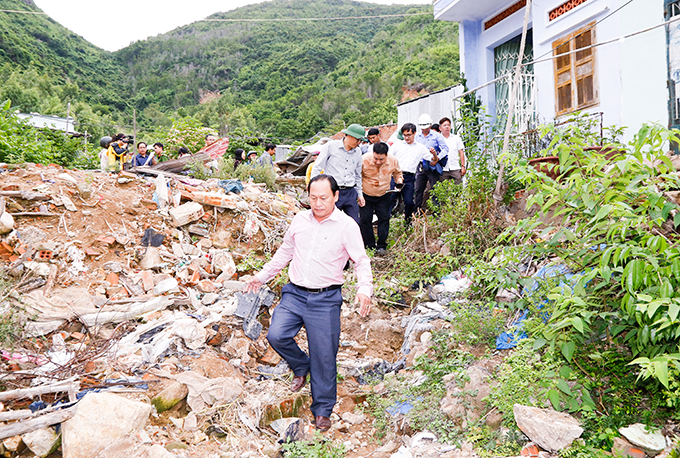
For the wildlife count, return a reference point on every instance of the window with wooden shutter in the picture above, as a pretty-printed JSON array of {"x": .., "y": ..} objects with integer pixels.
[{"x": 575, "y": 79}]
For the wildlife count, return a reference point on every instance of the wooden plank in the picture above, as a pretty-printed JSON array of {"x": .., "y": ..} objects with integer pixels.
[
  {"x": 38, "y": 390},
  {"x": 33, "y": 424}
]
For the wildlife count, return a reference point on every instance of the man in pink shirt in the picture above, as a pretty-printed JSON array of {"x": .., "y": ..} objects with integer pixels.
[{"x": 317, "y": 244}]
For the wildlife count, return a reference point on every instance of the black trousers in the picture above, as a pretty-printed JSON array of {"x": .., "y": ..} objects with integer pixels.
[
  {"x": 407, "y": 194},
  {"x": 422, "y": 178},
  {"x": 381, "y": 207}
]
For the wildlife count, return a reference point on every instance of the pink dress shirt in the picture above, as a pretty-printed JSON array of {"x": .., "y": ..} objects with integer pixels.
[{"x": 319, "y": 252}]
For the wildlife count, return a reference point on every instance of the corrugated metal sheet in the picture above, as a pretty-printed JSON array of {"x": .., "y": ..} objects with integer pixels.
[
  {"x": 50, "y": 122},
  {"x": 437, "y": 105}
]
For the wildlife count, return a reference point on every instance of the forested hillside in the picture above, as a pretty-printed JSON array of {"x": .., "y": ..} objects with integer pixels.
[
  {"x": 285, "y": 80},
  {"x": 65, "y": 65}
]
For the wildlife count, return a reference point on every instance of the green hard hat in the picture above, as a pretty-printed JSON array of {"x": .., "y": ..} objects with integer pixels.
[{"x": 356, "y": 131}]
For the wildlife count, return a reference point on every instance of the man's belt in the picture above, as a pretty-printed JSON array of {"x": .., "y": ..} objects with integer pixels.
[
  {"x": 317, "y": 290},
  {"x": 345, "y": 187},
  {"x": 408, "y": 173}
]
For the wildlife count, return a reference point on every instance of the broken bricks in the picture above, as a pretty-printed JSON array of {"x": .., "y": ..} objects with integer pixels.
[{"x": 186, "y": 213}]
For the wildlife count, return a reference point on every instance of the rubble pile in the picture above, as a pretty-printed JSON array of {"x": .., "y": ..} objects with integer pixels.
[{"x": 139, "y": 341}]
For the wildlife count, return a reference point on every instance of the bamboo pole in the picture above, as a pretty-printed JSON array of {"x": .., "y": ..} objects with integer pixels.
[{"x": 497, "y": 196}]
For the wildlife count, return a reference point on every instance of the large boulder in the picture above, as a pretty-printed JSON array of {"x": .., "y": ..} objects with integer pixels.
[
  {"x": 550, "y": 429},
  {"x": 101, "y": 419}
]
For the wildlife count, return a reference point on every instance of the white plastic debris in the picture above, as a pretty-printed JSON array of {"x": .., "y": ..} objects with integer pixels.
[
  {"x": 456, "y": 282},
  {"x": 162, "y": 191},
  {"x": 76, "y": 256},
  {"x": 251, "y": 226}
]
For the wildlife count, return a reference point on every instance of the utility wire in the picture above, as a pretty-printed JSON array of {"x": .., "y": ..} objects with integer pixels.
[
  {"x": 340, "y": 18},
  {"x": 315, "y": 18},
  {"x": 591, "y": 27},
  {"x": 547, "y": 59}
]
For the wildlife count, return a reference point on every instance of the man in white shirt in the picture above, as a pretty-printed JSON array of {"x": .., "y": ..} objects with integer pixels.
[
  {"x": 455, "y": 167},
  {"x": 409, "y": 153}
]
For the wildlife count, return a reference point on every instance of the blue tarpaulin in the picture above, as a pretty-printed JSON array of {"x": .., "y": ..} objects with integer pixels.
[{"x": 510, "y": 338}]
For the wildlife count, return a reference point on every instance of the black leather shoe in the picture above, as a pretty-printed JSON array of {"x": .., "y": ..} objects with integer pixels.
[
  {"x": 298, "y": 382},
  {"x": 322, "y": 423}
]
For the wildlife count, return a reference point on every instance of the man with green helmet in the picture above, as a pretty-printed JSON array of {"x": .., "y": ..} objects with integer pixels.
[{"x": 341, "y": 159}]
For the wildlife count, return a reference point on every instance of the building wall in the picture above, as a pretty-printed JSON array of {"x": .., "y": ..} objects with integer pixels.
[
  {"x": 477, "y": 51},
  {"x": 631, "y": 74}
]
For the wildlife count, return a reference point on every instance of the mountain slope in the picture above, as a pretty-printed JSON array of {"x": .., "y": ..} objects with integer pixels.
[
  {"x": 292, "y": 79},
  {"x": 38, "y": 42}
]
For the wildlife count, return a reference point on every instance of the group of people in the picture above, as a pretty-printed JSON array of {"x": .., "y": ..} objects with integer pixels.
[
  {"x": 116, "y": 155},
  {"x": 266, "y": 159},
  {"x": 349, "y": 184},
  {"x": 373, "y": 176}
]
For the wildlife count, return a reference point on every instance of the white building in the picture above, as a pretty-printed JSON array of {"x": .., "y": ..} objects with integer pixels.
[{"x": 627, "y": 76}]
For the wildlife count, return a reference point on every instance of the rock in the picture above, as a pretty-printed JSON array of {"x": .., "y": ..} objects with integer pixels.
[
  {"x": 186, "y": 213},
  {"x": 101, "y": 419},
  {"x": 623, "y": 448},
  {"x": 147, "y": 280},
  {"x": 151, "y": 260},
  {"x": 223, "y": 264},
  {"x": 113, "y": 266},
  {"x": 467, "y": 404},
  {"x": 13, "y": 444},
  {"x": 353, "y": 418},
  {"x": 190, "y": 422},
  {"x": 130, "y": 447},
  {"x": 169, "y": 397},
  {"x": 234, "y": 285},
  {"x": 85, "y": 190},
  {"x": 6, "y": 223},
  {"x": 42, "y": 442},
  {"x": 651, "y": 442},
  {"x": 549, "y": 429},
  {"x": 206, "y": 286},
  {"x": 68, "y": 203},
  {"x": 66, "y": 177},
  {"x": 210, "y": 298}
]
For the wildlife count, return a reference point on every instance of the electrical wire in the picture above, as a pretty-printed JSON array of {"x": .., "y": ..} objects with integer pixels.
[
  {"x": 341, "y": 18},
  {"x": 553, "y": 57},
  {"x": 591, "y": 27}
]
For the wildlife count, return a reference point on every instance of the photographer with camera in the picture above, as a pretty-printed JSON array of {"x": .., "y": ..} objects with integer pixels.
[{"x": 118, "y": 152}]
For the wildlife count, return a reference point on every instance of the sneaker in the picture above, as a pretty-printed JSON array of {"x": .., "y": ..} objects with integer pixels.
[{"x": 381, "y": 252}]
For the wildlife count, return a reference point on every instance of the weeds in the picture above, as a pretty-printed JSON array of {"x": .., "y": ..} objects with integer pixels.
[
  {"x": 245, "y": 172},
  {"x": 10, "y": 328},
  {"x": 317, "y": 448}
]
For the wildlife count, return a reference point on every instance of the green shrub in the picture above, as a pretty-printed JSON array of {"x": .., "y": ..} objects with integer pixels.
[{"x": 613, "y": 232}]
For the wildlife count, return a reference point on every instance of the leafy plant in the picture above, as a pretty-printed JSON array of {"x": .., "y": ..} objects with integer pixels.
[
  {"x": 610, "y": 228},
  {"x": 317, "y": 448}
]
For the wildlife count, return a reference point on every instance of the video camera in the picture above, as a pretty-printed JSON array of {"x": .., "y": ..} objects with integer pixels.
[{"x": 128, "y": 139}]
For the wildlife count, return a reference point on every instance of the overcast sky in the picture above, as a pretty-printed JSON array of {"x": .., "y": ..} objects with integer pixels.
[{"x": 112, "y": 25}]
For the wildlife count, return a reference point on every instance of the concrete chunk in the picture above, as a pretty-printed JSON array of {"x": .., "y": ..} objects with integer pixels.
[
  {"x": 101, "y": 419},
  {"x": 186, "y": 213},
  {"x": 42, "y": 442},
  {"x": 550, "y": 429}
]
